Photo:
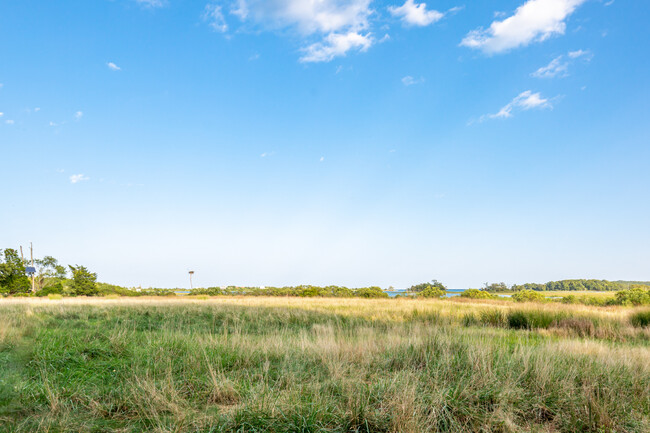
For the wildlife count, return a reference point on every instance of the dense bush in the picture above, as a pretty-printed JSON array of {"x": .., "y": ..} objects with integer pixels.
[
  {"x": 528, "y": 296},
  {"x": 431, "y": 292},
  {"x": 640, "y": 319},
  {"x": 371, "y": 292},
  {"x": 532, "y": 319},
  {"x": 55, "y": 289},
  {"x": 634, "y": 296},
  {"x": 477, "y": 294}
]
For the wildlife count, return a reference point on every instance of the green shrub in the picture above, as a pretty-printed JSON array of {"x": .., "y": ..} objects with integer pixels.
[
  {"x": 640, "y": 319},
  {"x": 477, "y": 294},
  {"x": 532, "y": 319},
  {"x": 431, "y": 292},
  {"x": 371, "y": 292},
  {"x": 55, "y": 289},
  {"x": 633, "y": 296},
  {"x": 528, "y": 296},
  {"x": 492, "y": 317},
  {"x": 54, "y": 296}
]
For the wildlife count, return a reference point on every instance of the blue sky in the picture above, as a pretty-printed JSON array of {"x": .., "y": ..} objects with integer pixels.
[{"x": 350, "y": 142}]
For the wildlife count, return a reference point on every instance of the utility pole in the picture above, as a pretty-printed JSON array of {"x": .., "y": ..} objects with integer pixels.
[
  {"x": 21, "y": 253},
  {"x": 191, "y": 273},
  {"x": 31, "y": 252}
]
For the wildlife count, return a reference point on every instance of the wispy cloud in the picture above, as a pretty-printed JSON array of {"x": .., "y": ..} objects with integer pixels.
[
  {"x": 585, "y": 54},
  {"x": 409, "y": 81},
  {"x": 335, "y": 45},
  {"x": 9, "y": 121},
  {"x": 76, "y": 178},
  {"x": 534, "y": 21},
  {"x": 524, "y": 101},
  {"x": 113, "y": 67},
  {"x": 213, "y": 15},
  {"x": 559, "y": 66},
  {"x": 414, "y": 14},
  {"x": 78, "y": 115},
  {"x": 555, "y": 68},
  {"x": 152, "y": 3}
]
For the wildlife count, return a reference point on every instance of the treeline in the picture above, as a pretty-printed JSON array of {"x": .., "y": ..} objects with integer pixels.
[
  {"x": 299, "y": 291},
  {"x": 49, "y": 277},
  {"x": 54, "y": 279},
  {"x": 567, "y": 285}
]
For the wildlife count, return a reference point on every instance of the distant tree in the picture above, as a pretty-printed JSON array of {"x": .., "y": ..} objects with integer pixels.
[
  {"x": 496, "y": 287},
  {"x": 83, "y": 281},
  {"x": 12, "y": 273},
  {"x": 434, "y": 284},
  {"x": 49, "y": 273}
]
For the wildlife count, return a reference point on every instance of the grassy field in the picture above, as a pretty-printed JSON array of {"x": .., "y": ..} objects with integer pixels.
[{"x": 321, "y": 365}]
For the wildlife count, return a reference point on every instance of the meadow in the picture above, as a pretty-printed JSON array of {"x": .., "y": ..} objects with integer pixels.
[{"x": 256, "y": 364}]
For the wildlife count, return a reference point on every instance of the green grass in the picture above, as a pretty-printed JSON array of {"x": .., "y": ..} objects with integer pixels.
[{"x": 320, "y": 365}]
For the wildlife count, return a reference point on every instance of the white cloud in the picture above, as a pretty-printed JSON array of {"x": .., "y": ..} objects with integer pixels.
[
  {"x": 414, "y": 14},
  {"x": 330, "y": 28},
  {"x": 1, "y": 114},
  {"x": 534, "y": 21},
  {"x": 75, "y": 178},
  {"x": 556, "y": 68},
  {"x": 309, "y": 16},
  {"x": 113, "y": 67},
  {"x": 409, "y": 81},
  {"x": 524, "y": 101},
  {"x": 581, "y": 53},
  {"x": 52, "y": 124},
  {"x": 335, "y": 45},
  {"x": 322, "y": 158},
  {"x": 9, "y": 122},
  {"x": 214, "y": 16},
  {"x": 152, "y": 3},
  {"x": 78, "y": 115},
  {"x": 37, "y": 109}
]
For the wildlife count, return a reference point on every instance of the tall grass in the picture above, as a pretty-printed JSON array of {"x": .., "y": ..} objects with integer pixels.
[{"x": 318, "y": 365}]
